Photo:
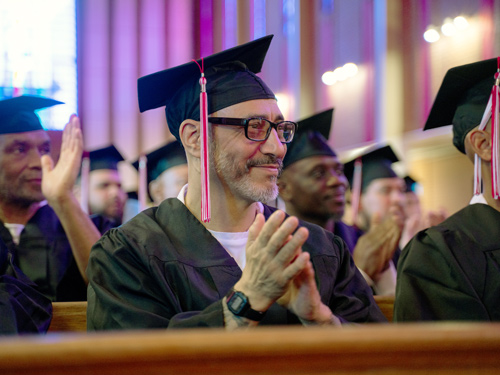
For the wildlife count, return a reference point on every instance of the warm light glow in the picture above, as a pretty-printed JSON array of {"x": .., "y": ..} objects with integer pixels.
[
  {"x": 431, "y": 35},
  {"x": 283, "y": 103},
  {"x": 328, "y": 78},
  {"x": 448, "y": 28},
  {"x": 339, "y": 74},
  {"x": 351, "y": 69},
  {"x": 461, "y": 23}
]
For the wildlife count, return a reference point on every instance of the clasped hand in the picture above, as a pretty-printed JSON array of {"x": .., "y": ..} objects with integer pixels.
[
  {"x": 375, "y": 249},
  {"x": 278, "y": 270}
]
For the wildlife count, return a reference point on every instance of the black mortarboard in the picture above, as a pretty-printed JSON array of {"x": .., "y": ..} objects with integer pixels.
[
  {"x": 163, "y": 158},
  {"x": 411, "y": 184},
  {"x": 105, "y": 158},
  {"x": 375, "y": 164},
  {"x": 462, "y": 99},
  {"x": 230, "y": 78},
  {"x": 17, "y": 115},
  {"x": 311, "y": 138}
]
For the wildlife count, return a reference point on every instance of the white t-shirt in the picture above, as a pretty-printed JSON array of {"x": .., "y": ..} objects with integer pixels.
[
  {"x": 233, "y": 242},
  {"x": 15, "y": 231}
]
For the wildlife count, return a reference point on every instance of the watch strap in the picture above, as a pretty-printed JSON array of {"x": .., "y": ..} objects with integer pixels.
[{"x": 244, "y": 310}]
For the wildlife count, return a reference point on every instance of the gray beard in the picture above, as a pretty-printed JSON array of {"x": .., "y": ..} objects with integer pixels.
[
  {"x": 20, "y": 201},
  {"x": 239, "y": 181}
]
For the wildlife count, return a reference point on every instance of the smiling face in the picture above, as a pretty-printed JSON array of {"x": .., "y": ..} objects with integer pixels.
[
  {"x": 20, "y": 167},
  {"x": 247, "y": 169},
  {"x": 314, "y": 188}
]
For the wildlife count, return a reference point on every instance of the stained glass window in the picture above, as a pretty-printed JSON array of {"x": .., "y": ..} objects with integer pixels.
[{"x": 38, "y": 54}]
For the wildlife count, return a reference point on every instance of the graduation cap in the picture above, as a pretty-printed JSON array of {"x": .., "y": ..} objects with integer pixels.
[
  {"x": 105, "y": 158},
  {"x": 17, "y": 115},
  {"x": 462, "y": 99},
  {"x": 311, "y": 138},
  {"x": 361, "y": 171},
  {"x": 152, "y": 165},
  {"x": 227, "y": 78},
  {"x": 230, "y": 78},
  {"x": 375, "y": 164},
  {"x": 466, "y": 99},
  {"x": 163, "y": 158}
]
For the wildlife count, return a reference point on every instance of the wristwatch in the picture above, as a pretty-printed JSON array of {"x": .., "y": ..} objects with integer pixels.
[{"x": 238, "y": 304}]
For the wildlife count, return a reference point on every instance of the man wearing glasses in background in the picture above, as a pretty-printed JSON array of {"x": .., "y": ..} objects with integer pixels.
[{"x": 249, "y": 264}]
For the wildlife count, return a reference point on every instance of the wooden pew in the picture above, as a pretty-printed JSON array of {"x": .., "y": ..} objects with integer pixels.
[
  {"x": 386, "y": 305},
  {"x": 376, "y": 349},
  {"x": 69, "y": 316},
  {"x": 72, "y": 316}
]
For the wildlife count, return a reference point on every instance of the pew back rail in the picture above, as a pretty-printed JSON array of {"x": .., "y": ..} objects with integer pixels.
[{"x": 376, "y": 349}]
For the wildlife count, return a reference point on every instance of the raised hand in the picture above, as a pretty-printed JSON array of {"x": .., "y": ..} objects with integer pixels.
[
  {"x": 434, "y": 218},
  {"x": 58, "y": 181},
  {"x": 274, "y": 258}
]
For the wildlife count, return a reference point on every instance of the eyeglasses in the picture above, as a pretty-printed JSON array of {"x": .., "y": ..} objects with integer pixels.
[{"x": 258, "y": 129}]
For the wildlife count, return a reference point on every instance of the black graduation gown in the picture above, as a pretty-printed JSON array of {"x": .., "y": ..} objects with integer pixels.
[
  {"x": 348, "y": 233},
  {"x": 452, "y": 271},
  {"x": 164, "y": 269},
  {"x": 45, "y": 256},
  {"x": 23, "y": 309}
]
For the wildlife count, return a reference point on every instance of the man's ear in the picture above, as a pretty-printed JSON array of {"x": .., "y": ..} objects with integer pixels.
[
  {"x": 189, "y": 133},
  {"x": 155, "y": 190},
  {"x": 479, "y": 142}
]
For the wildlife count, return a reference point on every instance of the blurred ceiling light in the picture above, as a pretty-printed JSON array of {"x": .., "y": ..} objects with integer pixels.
[
  {"x": 431, "y": 35},
  {"x": 448, "y": 28},
  {"x": 339, "y": 74},
  {"x": 328, "y": 78},
  {"x": 461, "y": 23},
  {"x": 350, "y": 69}
]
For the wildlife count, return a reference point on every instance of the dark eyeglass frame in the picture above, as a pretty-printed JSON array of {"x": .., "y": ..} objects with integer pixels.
[{"x": 245, "y": 121}]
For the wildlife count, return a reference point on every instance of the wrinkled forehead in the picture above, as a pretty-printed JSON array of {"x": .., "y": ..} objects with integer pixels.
[{"x": 36, "y": 137}]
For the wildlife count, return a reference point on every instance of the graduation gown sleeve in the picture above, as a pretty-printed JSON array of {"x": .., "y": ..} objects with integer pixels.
[{"x": 452, "y": 271}]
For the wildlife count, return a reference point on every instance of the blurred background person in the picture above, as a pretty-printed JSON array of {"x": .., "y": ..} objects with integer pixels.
[
  {"x": 313, "y": 187},
  {"x": 42, "y": 224},
  {"x": 377, "y": 203},
  {"x": 416, "y": 218},
  {"x": 105, "y": 195},
  {"x": 167, "y": 172}
]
